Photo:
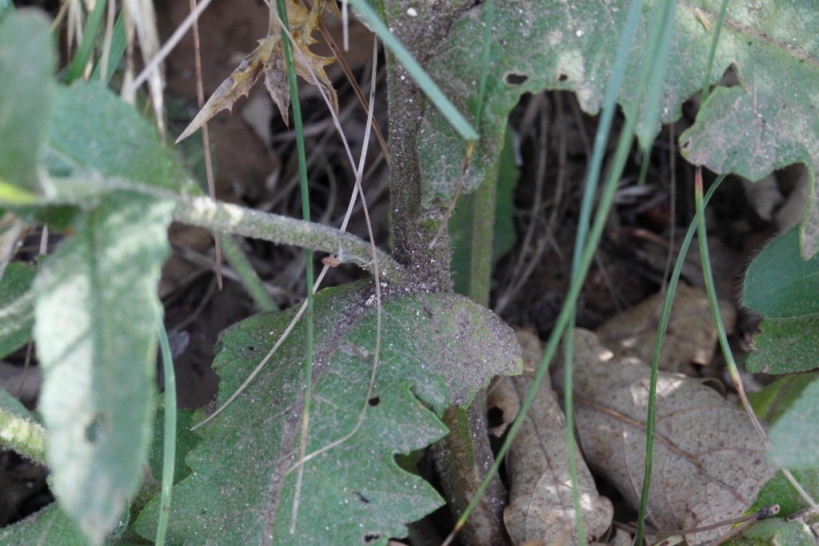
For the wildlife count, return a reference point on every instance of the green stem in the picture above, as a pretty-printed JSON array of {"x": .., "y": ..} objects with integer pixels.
[
  {"x": 250, "y": 279},
  {"x": 218, "y": 216},
  {"x": 665, "y": 314},
  {"x": 25, "y": 436},
  {"x": 308, "y": 254},
  {"x": 169, "y": 445}
]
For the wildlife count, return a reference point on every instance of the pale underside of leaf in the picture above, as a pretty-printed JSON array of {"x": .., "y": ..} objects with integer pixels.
[
  {"x": 708, "y": 460},
  {"x": 96, "y": 316}
]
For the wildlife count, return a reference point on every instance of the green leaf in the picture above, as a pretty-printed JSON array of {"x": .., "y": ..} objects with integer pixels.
[
  {"x": 92, "y": 130},
  {"x": 185, "y": 442},
  {"x": 460, "y": 224},
  {"x": 16, "y": 307},
  {"x": 779, "y": 283},
  {"x": 795, "y": 436},
  {"x": 27, "y": 61},
  {"x": 772, "y": 401},
  {"x": 775, "y": 532},
  {"x": 785, "y": 346},
  {"x": 96, "y": 316},
  {"x": 48, "y": 526},
  {"x": 769, "y": 120},
  {"x": 436, "y": 350},
  {"x": 19, "y": 430},
  {"x": 778, "y": 490},
  {"x": 540, "y": 45}
]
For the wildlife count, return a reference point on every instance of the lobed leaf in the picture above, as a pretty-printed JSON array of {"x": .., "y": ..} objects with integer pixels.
[
  {"x": 766, "y": 122},
  {"x": 436, "y": 350},
  {"x": 96, "y": 313}
]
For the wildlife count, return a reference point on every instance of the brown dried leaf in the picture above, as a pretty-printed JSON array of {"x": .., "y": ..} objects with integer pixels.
[
  {"x": 540, "y": 503},
  {"x": 237, "y": 84},
  {"x": 691, "y": 334},
  {"x": 540, "y": 499},
  {"x": 269, "y": 57},
  {"x": 708, "y": 460}
]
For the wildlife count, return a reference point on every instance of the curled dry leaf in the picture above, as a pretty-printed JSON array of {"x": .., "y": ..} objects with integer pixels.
[
  {"x": 708, "y": 460},
  {"x": 691, "y": 334},
  {"x": 268, "y": 58},
  {"x": 540, "y": 506}
]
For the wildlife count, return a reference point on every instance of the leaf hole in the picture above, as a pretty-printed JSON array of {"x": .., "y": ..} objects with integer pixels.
[
  {"x": 95, "y": 430},
  {"x": 562, "y": 77},
  {"x": 686, "y": 144},
  {"x": 369, "y": 538},
  {"x": 516, "y": 79},
  {"x": 495, "y": 417},
  {"x": 374, "y": 401},
  {"x": 251, "y": 348}
]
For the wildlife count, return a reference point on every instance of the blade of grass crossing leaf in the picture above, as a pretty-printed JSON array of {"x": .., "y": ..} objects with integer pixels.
[
  {"x": 706, "y": 78},
  {"x": 723, "y": 338},
  {"x": 665, "y": 314},
  {"x": 606, "y": 201},
  {"x": 169, "y": 444},
  {"x": 308, "y": 254},
  {"x": 80, "y": 60},
  {"x": 582, "y": 248},
  {"x": 453, "y": 116}
]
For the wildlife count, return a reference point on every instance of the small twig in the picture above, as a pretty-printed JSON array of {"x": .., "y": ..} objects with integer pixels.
[
  {"x": 200, "y": 99},
  {"x": 764, "y": 513}
]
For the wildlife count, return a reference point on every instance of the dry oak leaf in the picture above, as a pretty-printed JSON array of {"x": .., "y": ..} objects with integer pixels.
[
  {"x": 708, "y": 460},
  {"x": 268, "y": 57},
  {"x": 691, "y": 335},
  {"x": 540, "y": 500}
]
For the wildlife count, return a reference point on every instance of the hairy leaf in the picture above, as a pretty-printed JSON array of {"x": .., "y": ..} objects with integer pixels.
[
  {"x": 779, "y": 284},
  {"x": 96, "y": 315},
  {"x": 27, "y": 61},
  {"x": 16, "y": 307},
  {"x": 708, "y": 459},
  {"x": 48, "y": 526},
  {"x": 436, "y": 350},
  {"x": 94, "y": 137}
]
